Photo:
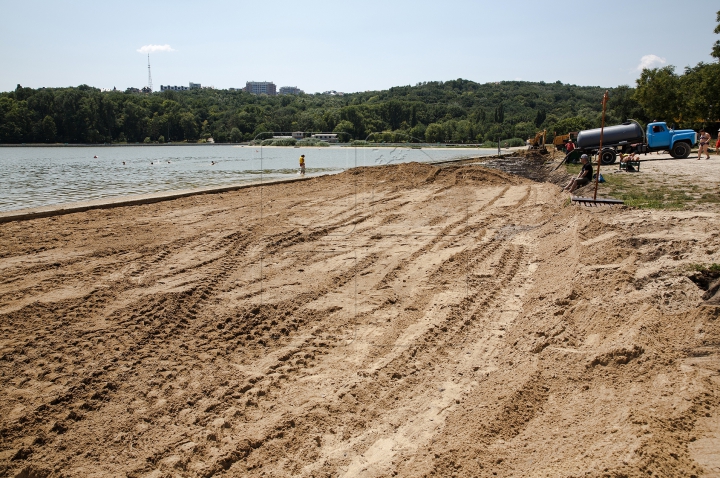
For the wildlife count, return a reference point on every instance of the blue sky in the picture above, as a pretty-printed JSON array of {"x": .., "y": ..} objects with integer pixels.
[{"x": 347, "y": 46}]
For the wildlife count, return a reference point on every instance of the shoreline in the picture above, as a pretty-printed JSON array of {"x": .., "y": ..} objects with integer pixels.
[
  {"x": 386, "y": 145},
  {"x": 51, "y": 210},
  {"x": 131, "y": 200}
]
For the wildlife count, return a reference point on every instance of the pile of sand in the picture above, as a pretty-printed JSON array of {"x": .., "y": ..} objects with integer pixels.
[{"x": 402, "y": 320}]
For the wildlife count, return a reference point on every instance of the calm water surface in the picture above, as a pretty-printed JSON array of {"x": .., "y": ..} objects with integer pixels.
[{"x": 42, "y": 176}]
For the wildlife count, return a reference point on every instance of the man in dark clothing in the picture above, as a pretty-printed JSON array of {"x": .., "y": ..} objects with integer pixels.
[{"x": 583, "y": 177}]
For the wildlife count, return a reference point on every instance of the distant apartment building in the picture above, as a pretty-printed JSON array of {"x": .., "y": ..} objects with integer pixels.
[
  {"x": 192, "y": 86},
  {"x": 173, "y": 88},
  {"x": 261, "y": 87},
  {"x": 291, "y": 90}
]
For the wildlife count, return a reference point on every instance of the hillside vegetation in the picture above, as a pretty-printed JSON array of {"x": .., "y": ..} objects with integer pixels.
[{"x": 459, "y": 111}]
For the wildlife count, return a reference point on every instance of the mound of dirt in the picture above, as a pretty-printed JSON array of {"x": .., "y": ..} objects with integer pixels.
[
  {"x": 403, "y": 320},
  {"x": 533, "y": 154},
  {"x": 411, "y": 175}
]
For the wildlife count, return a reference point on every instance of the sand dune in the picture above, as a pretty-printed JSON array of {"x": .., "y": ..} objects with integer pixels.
[{"x": 403, "y": 320}]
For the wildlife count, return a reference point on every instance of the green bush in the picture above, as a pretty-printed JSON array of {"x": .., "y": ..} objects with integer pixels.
[
  {"x": 312, "y": 142},
  {"x": 512, "y": 142},
  {"x": 279, "y": 142}
]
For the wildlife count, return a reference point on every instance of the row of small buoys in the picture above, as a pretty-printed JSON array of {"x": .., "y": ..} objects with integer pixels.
[{"x": 212, "y": 163}]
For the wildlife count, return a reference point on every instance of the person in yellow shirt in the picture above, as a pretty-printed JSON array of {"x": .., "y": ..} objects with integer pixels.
[{"x": 302, "y": 165}]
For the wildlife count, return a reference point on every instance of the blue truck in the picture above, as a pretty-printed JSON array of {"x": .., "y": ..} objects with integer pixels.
[{"x": 630, "y": 137}]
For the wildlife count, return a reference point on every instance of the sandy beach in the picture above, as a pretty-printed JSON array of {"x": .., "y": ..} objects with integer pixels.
[{"x": 406, "y": 320}]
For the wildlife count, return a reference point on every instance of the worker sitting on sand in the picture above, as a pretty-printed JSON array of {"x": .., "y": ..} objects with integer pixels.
[{"x": 583, "y": 177}]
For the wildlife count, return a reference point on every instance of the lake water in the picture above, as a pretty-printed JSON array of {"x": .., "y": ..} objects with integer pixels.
[{"x": 42, "y": 176}]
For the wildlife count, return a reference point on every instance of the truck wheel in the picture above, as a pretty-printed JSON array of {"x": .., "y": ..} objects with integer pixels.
[
  {"x": 680, "y": 150},
  {"x": 608, "y": 156}
]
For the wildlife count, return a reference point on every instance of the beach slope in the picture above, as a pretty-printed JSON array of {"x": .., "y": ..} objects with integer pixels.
[{"x": 402, "y": 320}]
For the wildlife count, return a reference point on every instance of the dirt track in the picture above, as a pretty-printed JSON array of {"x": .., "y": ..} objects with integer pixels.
[{"x": 404, "y": 320}]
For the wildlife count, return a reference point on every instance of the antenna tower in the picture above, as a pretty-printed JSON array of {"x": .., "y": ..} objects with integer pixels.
[{"x": 149, "y": 75}]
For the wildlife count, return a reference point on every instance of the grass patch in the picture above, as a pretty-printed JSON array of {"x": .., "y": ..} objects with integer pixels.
[
  {"x": 573, "y": 169},
  {"x": 712, "y": 197},
  {"x": 713, "y": 268},
  {"x": 703, "y": 275},
  {"x": 647, "y": 194}
]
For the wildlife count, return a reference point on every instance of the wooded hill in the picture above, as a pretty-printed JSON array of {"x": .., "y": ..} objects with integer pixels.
[{"x": 458, "y": 111}]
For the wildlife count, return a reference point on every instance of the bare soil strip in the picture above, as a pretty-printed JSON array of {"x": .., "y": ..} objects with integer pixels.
[{"x": 403, "y": 320}]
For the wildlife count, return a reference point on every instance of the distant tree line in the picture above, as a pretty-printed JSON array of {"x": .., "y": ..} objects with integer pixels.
[
  {"x": 691, "y": 98},
  {"x": 458, "y": 111}
]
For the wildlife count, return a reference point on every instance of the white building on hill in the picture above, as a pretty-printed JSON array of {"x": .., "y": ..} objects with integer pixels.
[
  {"x": 327, "y": 137},
  {"x": 261, "y": 87},
  {"x": 291, "y": 90}
]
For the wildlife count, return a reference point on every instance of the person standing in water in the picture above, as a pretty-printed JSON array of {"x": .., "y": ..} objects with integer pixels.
[{"x": 302, "y": 164}]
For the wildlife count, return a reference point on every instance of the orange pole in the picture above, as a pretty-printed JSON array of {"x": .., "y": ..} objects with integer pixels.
[{"x": 602, "y": 131}]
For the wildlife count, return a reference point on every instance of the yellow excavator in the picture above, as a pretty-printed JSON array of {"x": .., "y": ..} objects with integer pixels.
[
  {"x": 560, "y": 139},
  {"x": 538, "y": 142}
]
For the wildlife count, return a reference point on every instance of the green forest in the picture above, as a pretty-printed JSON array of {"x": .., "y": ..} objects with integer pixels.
[{"x": 458, "y": 111}]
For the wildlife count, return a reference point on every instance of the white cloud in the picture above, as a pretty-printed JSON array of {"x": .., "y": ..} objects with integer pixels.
[
  {"x": 650, "y": 61},
  {"x": 154, "y": 48}
]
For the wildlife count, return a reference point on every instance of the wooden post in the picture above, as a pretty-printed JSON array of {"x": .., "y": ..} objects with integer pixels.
[{"x": 602, "y": 130}]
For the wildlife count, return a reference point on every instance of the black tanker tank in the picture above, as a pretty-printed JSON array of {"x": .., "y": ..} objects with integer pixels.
[{"x": 626, "y": 132}]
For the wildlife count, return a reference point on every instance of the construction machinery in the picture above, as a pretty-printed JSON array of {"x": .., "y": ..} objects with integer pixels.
[
  {"x": 538, "y": 142},
  {"x": 560, "y": 140}
]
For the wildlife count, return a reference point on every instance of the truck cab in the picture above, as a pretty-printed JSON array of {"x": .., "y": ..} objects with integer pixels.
[{"x": 679, "y": 143}]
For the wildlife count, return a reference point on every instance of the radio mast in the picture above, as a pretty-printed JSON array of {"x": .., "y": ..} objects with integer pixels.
[{"x": 149, "y": 75}]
